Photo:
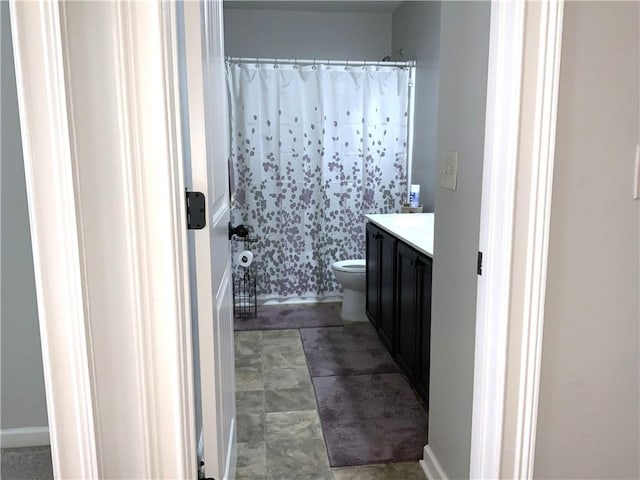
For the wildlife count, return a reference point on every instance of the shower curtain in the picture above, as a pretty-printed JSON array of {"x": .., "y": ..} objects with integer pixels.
[{"x": 313, "y": 149}]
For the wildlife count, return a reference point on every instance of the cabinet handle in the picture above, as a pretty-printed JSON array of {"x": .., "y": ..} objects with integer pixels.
[{"x": 377, "y": 236}]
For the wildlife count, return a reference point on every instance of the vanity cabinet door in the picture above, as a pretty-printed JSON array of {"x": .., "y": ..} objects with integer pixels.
[
  {"x": 386, "y": 312},
  {"x": 372, "y": 303},
  {"x": 425, "y": 268},
  {"x": 407, "y": 310},
  {"x": 380, "y": 283}
]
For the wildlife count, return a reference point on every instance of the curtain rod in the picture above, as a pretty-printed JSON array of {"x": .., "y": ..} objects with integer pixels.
[{"x": 298, "y": 61}]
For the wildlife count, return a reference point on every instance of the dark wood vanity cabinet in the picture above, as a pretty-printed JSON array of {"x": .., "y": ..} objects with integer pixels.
[
  {"x": 380, "y": 307},
  {"x": 372, "y": 286},
  {"x": 398, "y": 303},
  {"x": 413, "y": 316},
  {"x": 425, "y": 268},
  {"x": 407, "y": 293},
  {"x": 386, "y": 320}
]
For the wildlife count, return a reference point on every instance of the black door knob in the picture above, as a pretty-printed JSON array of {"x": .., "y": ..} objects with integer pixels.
[{"x": 240, "y": 231}]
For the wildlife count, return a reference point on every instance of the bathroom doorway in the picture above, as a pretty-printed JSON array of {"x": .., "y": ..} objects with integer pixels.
[
  {"x": 451, "y": 87},
  {"x": 322, "y": 109}
]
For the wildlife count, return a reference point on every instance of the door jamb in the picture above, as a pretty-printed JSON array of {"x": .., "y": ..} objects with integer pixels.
[
  {"x": 522, "y": 101},
  {"x": 57, "y": 249}
]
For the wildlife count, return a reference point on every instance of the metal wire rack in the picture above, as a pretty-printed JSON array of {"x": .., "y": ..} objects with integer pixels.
[{"x": 245, "y": 304}]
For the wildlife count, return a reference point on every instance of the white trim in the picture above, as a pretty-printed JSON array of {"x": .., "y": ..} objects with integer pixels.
[
  {"x": 200, "y": 181},
  {"x": 127, "y": 96},
  {"x": 541, "y": 183},
  {"x": 113, "y": 309},
  {"x": 516, "y": 198},
  {"x": 200, "y": 452},
  {"x": 150, "y": 112},
  {"x": 24, "y": 437},
  {"x": 59, "y": 263},
  {"x": 431, "y": 466},
  {"x": 232, "y": 457},
  {"x": 208, "y": 137},
  {"x": 164, "y": 334},
  {"x": 506, "y": 51}
]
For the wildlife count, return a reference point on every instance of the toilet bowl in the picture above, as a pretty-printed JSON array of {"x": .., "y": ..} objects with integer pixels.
[{"x": 351, "y": 274}]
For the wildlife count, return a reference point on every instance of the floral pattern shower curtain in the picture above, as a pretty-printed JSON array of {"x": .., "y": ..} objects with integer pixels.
[{"x": 314, "y": 149}]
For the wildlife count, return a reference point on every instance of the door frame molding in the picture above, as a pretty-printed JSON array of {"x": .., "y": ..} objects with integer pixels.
[
  {"x": 506, "y": 52},
  {"x": 522, "y": 100},
  {"x": 57, "y": 248},
  {"x": 150, "y": 279}
]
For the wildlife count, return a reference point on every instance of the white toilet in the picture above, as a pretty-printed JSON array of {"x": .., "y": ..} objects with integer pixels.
[{"x": 351, "y": 274}]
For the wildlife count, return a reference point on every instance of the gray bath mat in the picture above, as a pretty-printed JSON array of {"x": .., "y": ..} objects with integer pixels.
[
  {"x": 350, "y": 350},
  {"x": 370, "y": 419},
  {"x": 299, "y": 315}
]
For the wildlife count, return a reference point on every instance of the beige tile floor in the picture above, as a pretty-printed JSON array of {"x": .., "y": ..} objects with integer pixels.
[{"x": 279, "y": 431}]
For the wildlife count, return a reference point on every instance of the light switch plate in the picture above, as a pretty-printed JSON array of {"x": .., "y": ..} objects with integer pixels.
[{"x": 449, "y": 170}]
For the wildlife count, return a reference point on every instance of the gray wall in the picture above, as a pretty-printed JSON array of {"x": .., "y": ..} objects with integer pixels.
[
  {"x": 588, "y": 424},
  {"x": 22, "y": 385},
  {"x": 416, "y": 29},
  {"x": 304, "y": 34},
  {"x": 464, "y": 50}
]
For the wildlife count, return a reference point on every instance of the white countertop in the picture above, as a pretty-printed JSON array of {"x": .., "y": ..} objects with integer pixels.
[{"x": 415, "y": 229}]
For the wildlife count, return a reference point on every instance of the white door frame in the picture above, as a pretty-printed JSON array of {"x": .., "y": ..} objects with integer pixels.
[
  {"x": 522, "y": 99},
  {"x": 98, "y": 100},
  {"x": 85, "y": 434}
]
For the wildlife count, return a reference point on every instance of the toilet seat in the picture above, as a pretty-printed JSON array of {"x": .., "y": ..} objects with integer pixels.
[{"x": 353, "y": 266}]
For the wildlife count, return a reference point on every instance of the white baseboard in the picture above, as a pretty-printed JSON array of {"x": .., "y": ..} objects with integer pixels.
[
  {"x": 24, "y": 437},
  {"x": 430, "y": 465}
]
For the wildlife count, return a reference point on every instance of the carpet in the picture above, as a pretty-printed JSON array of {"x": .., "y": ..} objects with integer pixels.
[
  {"x": 26, "y": 463},
  {"x": 298, "y": 315},
  {"x": 370, "y": 419},
  {"x": 350, "y": 350}
]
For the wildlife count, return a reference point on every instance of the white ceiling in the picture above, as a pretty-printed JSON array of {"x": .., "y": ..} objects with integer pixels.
[{"x": 370, "y": 6}]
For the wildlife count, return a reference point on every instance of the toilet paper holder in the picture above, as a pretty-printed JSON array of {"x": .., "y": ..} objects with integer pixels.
[{"x": 245, "y": 258}]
